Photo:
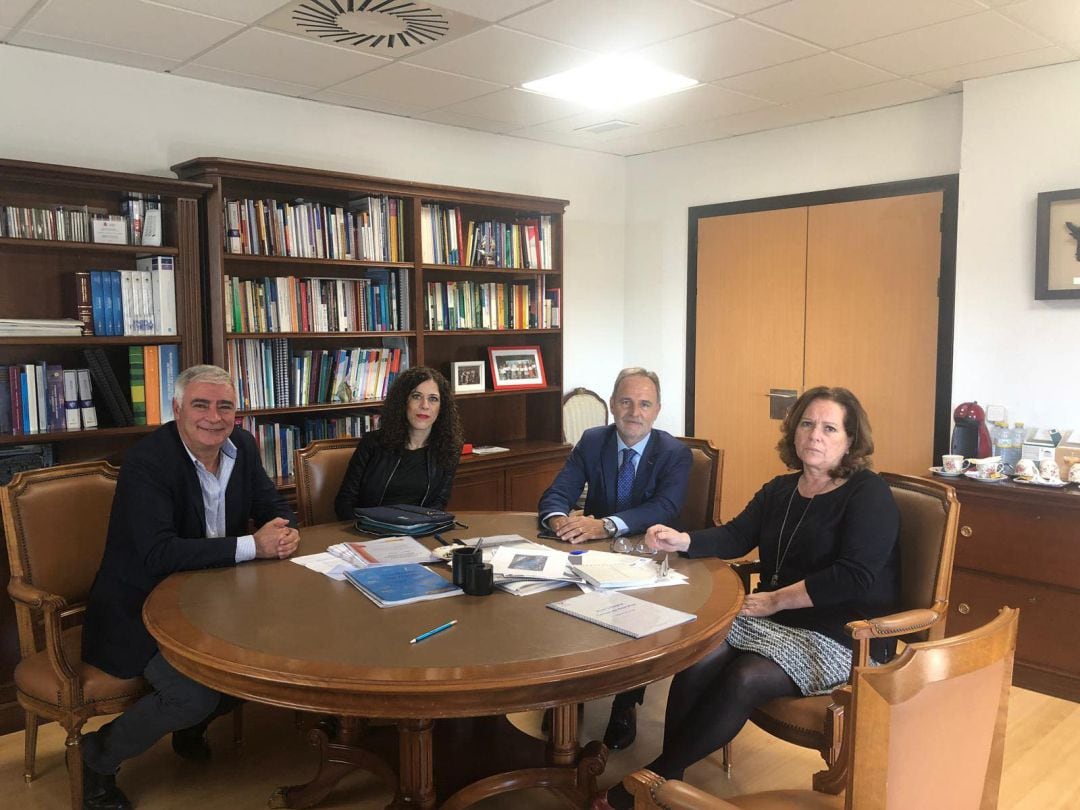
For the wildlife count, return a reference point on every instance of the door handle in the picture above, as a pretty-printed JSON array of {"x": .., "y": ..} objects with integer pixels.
[{"x": 780, "y": 401}]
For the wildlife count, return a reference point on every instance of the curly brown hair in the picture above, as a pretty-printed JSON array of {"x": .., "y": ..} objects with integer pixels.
[
  {"x": 856, "y": 426},
  {"x": 446, "y": 436}
]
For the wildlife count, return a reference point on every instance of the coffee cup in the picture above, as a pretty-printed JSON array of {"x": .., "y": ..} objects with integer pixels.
[
  {"x": 1026, "y": 468},
  {"x": 463, "y": 559},
  {"x": 953, "y": 464},
  {"x": 1048, "y": 469},
  {"x": 987, "y": 467},
  {"x": 1074, "y": 473}
]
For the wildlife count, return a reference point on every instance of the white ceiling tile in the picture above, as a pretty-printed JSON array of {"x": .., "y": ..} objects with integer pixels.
[
  {"x": 90, "y": 50},
  {"x": 742, "y": 6},
  {"x": 390, "y": 29},
  {"x": 700, "y": 103},
  {"x": 520, "y": 108},
  {"x": 4, "y": 33},
  {"x": 13, "y": 11},
  {"x": 234, "y": 79},
  {"x": 575, "y": 140},
  {"x": 956, "y": 42},
  {"x": 813, "y": 76},
  {"x": 491, "y": 10},
  {"x": 417, "y": 86},
  {"x": 503, "y": 56},
  {"x": 371, "y": 104},
  {"x": 726, "y": 50},
  {"x": 658, "y": 140},
  {"x": 130, "y": 25},
  {"x": 760, "y": 120},
  {"x": 861, "y": 99},
  {"x": 454, "y": 119},
  {"x": 836, "y": 23},
  {"x": 950, "y": 78},
  {"x": 1057, "y": 19},
  {"x": 245, "y": 11},
  {"x": 258, "y": 52},
  {"x": 615, "y": 25}
]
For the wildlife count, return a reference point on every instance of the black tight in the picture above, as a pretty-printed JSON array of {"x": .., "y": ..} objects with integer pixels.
[{"x": 711, "y": 701}]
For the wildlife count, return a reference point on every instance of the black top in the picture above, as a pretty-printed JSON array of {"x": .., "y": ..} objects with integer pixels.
[
  {"x": 846, "y": 549},
  {"x": 157, "y": 527},
  {"x": 373, "y": 478}
]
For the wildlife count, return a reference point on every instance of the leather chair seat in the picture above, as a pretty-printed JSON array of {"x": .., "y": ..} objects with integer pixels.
[
  {"x": 36, "y": 678},
  {"x": 797, "y": 716}
]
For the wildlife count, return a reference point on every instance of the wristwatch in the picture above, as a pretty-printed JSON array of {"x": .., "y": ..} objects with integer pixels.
[{"x": 609, "y": 528}]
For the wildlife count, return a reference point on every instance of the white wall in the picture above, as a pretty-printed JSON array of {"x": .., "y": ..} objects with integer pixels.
[
  {"x": 58, "y": 109},
  {"x": 1019, "y": 139},
  {"x": 901, "y": 143}
]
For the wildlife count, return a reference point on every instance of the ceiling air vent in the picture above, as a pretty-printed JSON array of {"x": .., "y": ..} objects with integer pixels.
[
  {"x": 606, "y": 126},
  {"x": 375, "y": 24}
]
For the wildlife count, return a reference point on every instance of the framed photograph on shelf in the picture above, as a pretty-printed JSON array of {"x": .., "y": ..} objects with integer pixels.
[
  {"x": 467, "y": 377},
  {"x": 1057, "y": 245},
  {"x": 516, "y": 367}
]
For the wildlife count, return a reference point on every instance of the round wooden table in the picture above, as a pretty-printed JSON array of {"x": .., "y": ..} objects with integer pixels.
[{"x": 278, "y": 633}]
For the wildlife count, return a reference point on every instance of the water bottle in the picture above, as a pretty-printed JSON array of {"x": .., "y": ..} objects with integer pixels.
[{"x": 1008, "y": 443}]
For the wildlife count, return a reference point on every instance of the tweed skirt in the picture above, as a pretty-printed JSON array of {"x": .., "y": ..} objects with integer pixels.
[{"x": 817, "y": 663}]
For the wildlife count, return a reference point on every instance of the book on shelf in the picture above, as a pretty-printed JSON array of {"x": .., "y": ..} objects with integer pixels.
[
  {"x": 138, "y": 384},
  {"x": 40, "y": 327},
  {"x": 622, "y": 613},
  {"x": 72, "y": 419},
  {"x": 80, "y": 301},
  {"x": 87, "y": 410},
  {"x": 152, "y": 378},
  {"x": 108, "y": 388},
  {"x": 54, "y": 397},
  {"x": 391, "y": 585},
  {"x": 63, "y": 223},
  {"x": 6, "y": 426},
  {"x": 28, "y": 381}
]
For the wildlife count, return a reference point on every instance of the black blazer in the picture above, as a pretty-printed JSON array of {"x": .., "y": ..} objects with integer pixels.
[{"x": 157, "y": 527}]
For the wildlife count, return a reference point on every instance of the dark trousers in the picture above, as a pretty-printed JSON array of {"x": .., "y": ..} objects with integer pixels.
[
  {"x": 624, "y": 700},
  {"x": 177, "y": 702}
]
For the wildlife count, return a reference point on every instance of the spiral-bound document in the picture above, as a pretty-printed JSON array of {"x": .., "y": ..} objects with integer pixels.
[{"x": 622, "y": 613}]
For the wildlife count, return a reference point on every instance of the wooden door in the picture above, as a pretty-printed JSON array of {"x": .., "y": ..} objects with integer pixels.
[
  {"x": 872, "y": 316},
  {"x": 750, "y": 307}
]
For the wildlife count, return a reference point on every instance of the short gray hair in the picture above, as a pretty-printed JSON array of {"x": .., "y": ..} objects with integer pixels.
[
  {"x": 202, "y": 373},
  {"x": 637, "y": 371}
]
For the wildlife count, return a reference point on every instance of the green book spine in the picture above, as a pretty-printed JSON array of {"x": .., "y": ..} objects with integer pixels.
[{"x": 138, "y": 384}]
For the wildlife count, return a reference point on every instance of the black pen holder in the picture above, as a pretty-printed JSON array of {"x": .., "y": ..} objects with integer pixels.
[
  {"x": 462, "y": 560},
  {"x": 479, "y": 580}
]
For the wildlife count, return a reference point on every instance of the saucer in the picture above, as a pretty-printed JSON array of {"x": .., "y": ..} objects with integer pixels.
[
  {"x": 994, "y": 478},
  {"x": 1040, "y": 482},
  {"x": 945, "y": 473}
]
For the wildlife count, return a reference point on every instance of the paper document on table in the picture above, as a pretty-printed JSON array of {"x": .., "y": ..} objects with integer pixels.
[
  {"x": 532, "y": 562},
  {"x": 324, "y": 563},
  {"x": 383, "y": 551},
  {"x": 390, "y": 585},
  {"x": 493, "y": 540},
  {"x": 622, "y": 613}
]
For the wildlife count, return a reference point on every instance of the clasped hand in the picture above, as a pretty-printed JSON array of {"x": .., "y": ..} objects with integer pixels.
[
  {"x": 276, "y": 539},
  {"x": 578, "y": 528}
]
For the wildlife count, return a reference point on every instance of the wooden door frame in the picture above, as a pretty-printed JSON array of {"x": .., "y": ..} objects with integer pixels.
[{"x": 948, "y": 185}]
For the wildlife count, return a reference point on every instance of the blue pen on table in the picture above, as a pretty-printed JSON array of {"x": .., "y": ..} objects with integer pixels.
[{"x": 430, "y": 633}]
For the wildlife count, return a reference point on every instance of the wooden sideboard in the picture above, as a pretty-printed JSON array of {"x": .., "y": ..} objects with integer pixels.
[
  {"x": 509, "y": 482},
  {"x": 1019, "y": 545}
]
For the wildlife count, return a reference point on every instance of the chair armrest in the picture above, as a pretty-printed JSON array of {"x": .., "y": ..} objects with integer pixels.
[
  {"x": 26, "y": 594},
  {"x": 52, "y": 607},
  {"x": 744, "y": 569},
  {"x": 652, "y": 792},
  {"x": 895, "y": 624}
]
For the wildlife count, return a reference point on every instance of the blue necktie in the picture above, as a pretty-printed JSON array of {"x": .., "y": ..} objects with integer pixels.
[{"x": 625, "y": 482}]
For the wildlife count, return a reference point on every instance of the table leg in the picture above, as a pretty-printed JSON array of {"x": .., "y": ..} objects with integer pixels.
[
  {"x": 416, "y": 785},
  {"x": 338, "y": 743}
]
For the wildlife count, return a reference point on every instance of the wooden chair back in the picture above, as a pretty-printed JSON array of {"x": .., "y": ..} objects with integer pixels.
[
  {"x": 582, "y": 409},
  {"x": 701, "y": 508},
  {"x": 320, "y": 469}
]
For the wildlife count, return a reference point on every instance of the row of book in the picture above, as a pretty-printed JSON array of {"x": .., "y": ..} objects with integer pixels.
[
  {"x": 493, "y": 305},
  {"x": 446, "y": 237},
  {"x": 138, "y": 224},
  {"x": 45, "y": 398},
  {"x": 153, "y": 372},
  {"x": 269, "y": 374},
  {"x": 379, "y": 302},
  {"x": 128, "y": 302},
  {"x": 278, "y": 442},
  {"x": 368, "y": 229}
]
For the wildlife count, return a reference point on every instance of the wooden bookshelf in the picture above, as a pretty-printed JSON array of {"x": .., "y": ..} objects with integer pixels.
[
  {"x": 36, "y": 281},
  {"x": 530, "y": 421}
]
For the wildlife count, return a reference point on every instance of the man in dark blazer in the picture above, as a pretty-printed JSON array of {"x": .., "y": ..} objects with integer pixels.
[
  {"x": 637, "y": 477},
  {"x": 184, "y": 499}
]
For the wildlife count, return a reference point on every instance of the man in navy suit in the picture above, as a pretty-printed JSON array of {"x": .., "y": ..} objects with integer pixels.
[
  {"x": 184, "y": 499},
  {"x": 637, "y": 477}
]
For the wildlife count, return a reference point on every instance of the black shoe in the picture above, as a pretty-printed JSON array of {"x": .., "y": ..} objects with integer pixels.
[
  {"x": 100, "y": 791},
  {"x": 191, "y": 744},
  {"x": 621, "y": 728}
]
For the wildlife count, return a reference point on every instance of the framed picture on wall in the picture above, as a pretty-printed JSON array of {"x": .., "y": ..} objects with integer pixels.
[
  {"x": 467, "y": 377},
  {"x": 1057, "y": 244},
  {"x": 516, "y": 367}
]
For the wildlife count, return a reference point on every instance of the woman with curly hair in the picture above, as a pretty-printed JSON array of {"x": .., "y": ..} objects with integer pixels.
[
  {"x": 827, "y": 539},
  {"x": 413, "y": 456}
]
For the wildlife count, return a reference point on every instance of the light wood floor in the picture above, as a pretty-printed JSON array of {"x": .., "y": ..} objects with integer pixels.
[{"x": 1042, "y": 764}]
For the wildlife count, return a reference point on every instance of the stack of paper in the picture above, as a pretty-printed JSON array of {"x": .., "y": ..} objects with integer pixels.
[
  {"x": 383, "y": 551},
  {"x": 390, "y": 585},
  {"x": 622, "y": 612}
]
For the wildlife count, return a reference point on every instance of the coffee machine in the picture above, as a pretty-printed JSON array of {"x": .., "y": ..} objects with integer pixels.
[{"x": 970, "y": 438}]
